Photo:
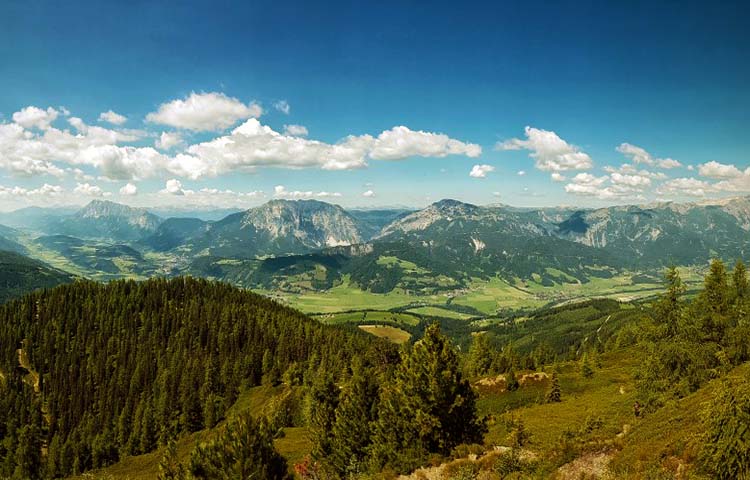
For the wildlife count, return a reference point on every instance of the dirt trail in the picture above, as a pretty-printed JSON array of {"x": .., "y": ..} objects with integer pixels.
[{"x": 33, "y": 377}]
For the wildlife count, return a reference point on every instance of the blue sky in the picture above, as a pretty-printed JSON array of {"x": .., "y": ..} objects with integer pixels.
[{"x": 667, "y": 79}]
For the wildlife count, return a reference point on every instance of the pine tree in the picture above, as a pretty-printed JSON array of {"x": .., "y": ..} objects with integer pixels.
[
  {"x": 352, "y": 430},
  {"x": 726, "y": 454},
  {"x": 554, "y": 394},
  {"x": 511, "y": 381},
  {"x": 28, "y": 454},
  {"x": 170, "y": 467},
  {"x": 668, "y": 309},
  {"x": 715, "y": 288},
  {"x": 324, "y": 399},
  {"x": 244, "y": 450},
  {"x": 740, "y": 281},
  {"x": 479, "y": 359},
  {"x": 428, "y": 407},
  {"x": 586, "y": 369}
]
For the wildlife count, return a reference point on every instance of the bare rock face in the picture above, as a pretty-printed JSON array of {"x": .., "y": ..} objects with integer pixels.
[{"x": 314, "y": 224}]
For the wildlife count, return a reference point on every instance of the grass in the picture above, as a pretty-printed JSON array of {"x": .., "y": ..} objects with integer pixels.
[
  {"x": 440, "y": 312},
  {"x": 345, "y": 297},
  {"x": 599, "y": 396},
  {"x": 368, "y": 317},
  {"x": 395, "y": 335}
]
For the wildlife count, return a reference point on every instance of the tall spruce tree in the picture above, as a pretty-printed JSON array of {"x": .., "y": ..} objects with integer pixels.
[
  {"x": 427, "y": 408},
  {"x": 245, "y": 450},
  {"x": 740, "y": 281},
  {"x": 668, "y": 309},
  {"x": 352, "y": 430}
]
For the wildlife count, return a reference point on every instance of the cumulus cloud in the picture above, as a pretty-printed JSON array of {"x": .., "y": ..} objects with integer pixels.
[
  {"x": 173, "y": 187},
  {"x": 31, "y": 117},
  {"x": 481, "y": 171},
  {"x": 283, "y": 107},
  {"x": 634, "y": 181},
  {"x": 521, "y": 173},
  {"x": 280, "y": 191},
  {"x": 629, "y": 169},
  {"x": 253, "y": 145},
  {"x": 111, "y": 117},
  {"x": 608, "y": 187},
  {"x": 558, "y": 177},
  {"x": 401, "y": 142},
  {"x": 550, "y": 152},
  {"x": 201, "y": 112},
  {"x": 45, "y": 190},
  {"x": 691, "y": 187},
  {"x": 129, "y": 190},
  {"x": 639, "y": 155},
  {"x": 368, "y": 194},
  {"x": 169, "y": 140},
  {"x": 718, "y": 170},
  {"x": 89, "y": 190},
  {"x": 295, "y": 130}
]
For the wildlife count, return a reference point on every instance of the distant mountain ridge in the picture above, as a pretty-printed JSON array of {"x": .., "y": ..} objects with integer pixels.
[{"x": 438, "y": 248}]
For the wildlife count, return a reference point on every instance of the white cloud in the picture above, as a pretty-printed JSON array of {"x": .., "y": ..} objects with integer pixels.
[
  {"x": 401, "y": 142},
  {"x": 280, "y": 191},
  {"x": 253, "y": 145},
  {"x": 202, "y": 112},
  {"x": 111, "y": 117},
  {"x": 481, "y": 171},
  {"x": 247, "y": 147},
  {"x": 521, "y": 173},
  {"x": 368, "y": 194},
  {"x": 129, "y": 190},
  {"x": 496, "y": 194},
  {"x": 668, "y": 163},
  {"x": 283, "y": 107},
  {"x": 691, "y": 187},
  {"x": 639, "y": 155},
  {"x": 634, "y": 181},
  {"x": 620, "y": 186},
  {"x": 558, "y": 177},
  {"x": 629, "y": 169},
  {"x": 89, "y": 190},
  {"x": 295, "y": 130},
  {"x": 715, "y": 169},
  {"x": 31, "y": 116},
  {"x": 550, "y": 152},
  {"x": 168, "y": 140},
  {"x": 45, "y": 190},
  {"x": 173, "y": 187}
]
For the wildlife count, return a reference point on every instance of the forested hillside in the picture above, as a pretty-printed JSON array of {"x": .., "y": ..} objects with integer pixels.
[
  {"x": 94, "y": 372},
  {"x": 20, "y": 274}
]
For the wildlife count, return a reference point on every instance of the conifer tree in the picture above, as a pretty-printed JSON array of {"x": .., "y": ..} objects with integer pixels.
[
  {"x": 170, "y": 467},
  {"x": 726, "y": 454},
  {"x": 324, "y": 399},
  {"x": 740, "y": 281},
  {"x": 668, "y": 309},
  {"x": 28, "y": 454},
  {"x": 428, "y": 407},
  {"x": 715, "y": 288},
  {"x": 244, "y": 450},
  {"x": 586, "y": 369},
  {"x": 554, "y": 394},
  {"x": 352, "y": 430},
  {"x": 511, "y": 383}
]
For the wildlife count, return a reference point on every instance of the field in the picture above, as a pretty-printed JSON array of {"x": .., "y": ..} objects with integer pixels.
[
  {"x": 489, "y": 297},
  {"x": 395, "y": 335},
  {"x": 440, "y": 312}
]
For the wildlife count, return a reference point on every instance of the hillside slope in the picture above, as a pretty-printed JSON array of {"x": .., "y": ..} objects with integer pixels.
[{"x": 20, "y": 275}]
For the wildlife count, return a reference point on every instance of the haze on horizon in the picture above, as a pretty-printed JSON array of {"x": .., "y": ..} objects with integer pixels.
[{"x": 578, "y": 104}]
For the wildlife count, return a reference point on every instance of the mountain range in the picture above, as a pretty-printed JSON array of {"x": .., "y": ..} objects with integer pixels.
[{"x": 313, "y": 245}]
